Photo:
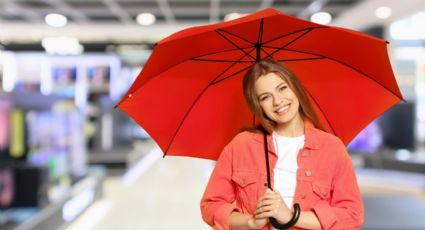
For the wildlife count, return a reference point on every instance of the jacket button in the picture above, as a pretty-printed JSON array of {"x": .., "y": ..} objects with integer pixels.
[
  {"x": 304, "y": 154},
  {"x": 308, "y": 173},
  {"x": 325, "y": 193},
  {"x": 243, "y": 181},
  {"x": 303, "y": 196}
]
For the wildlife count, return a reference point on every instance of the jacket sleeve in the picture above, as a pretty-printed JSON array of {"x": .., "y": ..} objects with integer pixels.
[
  {"x": 345, "y": 209},
  {"x": 218, "y": 200}
]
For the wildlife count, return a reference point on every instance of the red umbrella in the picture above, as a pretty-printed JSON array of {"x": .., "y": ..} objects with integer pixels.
[{"x": 189, "y": 98}]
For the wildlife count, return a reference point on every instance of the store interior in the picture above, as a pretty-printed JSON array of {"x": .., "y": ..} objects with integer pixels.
[{"x": 70, "y": 160}]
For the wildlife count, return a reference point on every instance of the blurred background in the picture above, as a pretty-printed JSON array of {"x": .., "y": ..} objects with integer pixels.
[{"x": 69, "y": 160}]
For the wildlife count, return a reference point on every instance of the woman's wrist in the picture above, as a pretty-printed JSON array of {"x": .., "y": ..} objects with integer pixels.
[
  {"x": 252, "y": 224},
  {"x": 285, "y": 217},
  {"x": 293, "y": 220}
]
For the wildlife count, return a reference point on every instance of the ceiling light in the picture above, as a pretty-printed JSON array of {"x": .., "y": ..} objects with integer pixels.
[
  {"x": 383, "y": 12},
  {"x": 56, "y": 20},
  {"x": 323, "y": 18},
  {"x": 410, "y": 28},
  {"x": 62, "y": 45},
  {"x": 232, "y": 16},
  {"x": 145, "y": 19}
]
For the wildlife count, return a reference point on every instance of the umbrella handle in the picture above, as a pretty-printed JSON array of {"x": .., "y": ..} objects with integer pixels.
[
  {"x": 290, "y": 223},
  {"x": 297, "y": 210}
]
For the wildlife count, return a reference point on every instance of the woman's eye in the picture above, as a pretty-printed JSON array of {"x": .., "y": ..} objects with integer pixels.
[
  {"x": 264, "y": 98},
  {"x": 283, "y": 88}
]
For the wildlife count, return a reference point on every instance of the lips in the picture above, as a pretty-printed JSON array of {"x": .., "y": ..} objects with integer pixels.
[{"x": 283, "y": 109}]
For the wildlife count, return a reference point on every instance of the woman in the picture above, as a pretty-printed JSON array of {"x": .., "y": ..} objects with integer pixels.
[{"x": 309, "y": 167}]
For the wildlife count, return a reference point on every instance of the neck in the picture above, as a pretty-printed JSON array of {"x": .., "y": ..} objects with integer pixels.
[{"x": 292, "y": 128}]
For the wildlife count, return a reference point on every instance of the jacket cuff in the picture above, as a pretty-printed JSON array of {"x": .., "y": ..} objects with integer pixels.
[
  {"x": 325, "y": 214},
  {"x": 221, "y": 218}
]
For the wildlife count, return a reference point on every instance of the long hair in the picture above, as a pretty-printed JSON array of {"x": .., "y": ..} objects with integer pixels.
[{"x": 271, "y": 66}]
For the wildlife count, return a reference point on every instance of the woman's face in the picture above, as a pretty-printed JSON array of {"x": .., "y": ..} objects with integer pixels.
[{"x": 277, "y": 100}]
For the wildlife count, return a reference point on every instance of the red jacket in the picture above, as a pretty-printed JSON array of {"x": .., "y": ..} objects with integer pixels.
[{"x": 326, "y": 182}]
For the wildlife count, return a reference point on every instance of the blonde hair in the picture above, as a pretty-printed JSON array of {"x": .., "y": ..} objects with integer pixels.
[{"x": 271, "y": 66}]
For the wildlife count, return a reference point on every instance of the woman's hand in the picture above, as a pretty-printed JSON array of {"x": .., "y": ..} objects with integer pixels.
[{"x": 271, "y": 204}]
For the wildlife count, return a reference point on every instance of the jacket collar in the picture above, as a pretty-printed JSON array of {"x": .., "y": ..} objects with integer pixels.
[
  {"x": 311, "y": 135},
  {"x": 311, "y": 140}
]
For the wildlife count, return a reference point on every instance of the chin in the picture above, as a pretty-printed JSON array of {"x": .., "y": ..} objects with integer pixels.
[{"x": 285, "y": 120}]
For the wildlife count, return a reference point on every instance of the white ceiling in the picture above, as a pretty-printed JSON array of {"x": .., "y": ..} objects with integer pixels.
[
  {"x": 362, "y": 15},
  {"x": 22, "y": 21}
]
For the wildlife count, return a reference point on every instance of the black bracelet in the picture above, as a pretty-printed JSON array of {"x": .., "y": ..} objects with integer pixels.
[{"x": 291, "y": 222}]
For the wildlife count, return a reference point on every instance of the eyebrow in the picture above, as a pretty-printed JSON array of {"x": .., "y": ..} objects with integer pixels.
[{"x": 278, "y": 86}]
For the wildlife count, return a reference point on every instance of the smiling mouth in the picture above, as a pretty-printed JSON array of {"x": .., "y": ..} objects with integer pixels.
[{"x": 283, "y": 109}]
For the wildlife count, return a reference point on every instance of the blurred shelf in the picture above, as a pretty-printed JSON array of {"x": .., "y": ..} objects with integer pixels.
[{"x": 59, "y": 214}]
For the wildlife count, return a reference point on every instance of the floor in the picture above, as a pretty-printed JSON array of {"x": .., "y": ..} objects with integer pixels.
[
  {"x": 164, "y": 193},
  {"x": 164, "y": 197}
]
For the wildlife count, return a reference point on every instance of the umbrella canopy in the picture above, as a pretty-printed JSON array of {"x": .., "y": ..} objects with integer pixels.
[{"x": 189, "y": 97}]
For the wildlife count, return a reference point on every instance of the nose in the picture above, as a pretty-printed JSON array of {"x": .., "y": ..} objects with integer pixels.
[{"x": 277, "y": 99}]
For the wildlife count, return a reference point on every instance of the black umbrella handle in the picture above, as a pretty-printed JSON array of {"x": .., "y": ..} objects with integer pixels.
[{"x": 297, "y": 210}]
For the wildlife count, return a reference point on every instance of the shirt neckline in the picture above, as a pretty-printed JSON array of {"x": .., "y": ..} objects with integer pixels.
[{"x": 285, "y": 138}]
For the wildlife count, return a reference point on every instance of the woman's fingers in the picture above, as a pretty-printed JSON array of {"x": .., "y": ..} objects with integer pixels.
[
  {"x": 265, "y": 203},
  {"x": 263, "y": 208},
  {"x": 266, "y": 212},
  {"x": 268, "y": 205},
  {"x": 268, "y": 196}
]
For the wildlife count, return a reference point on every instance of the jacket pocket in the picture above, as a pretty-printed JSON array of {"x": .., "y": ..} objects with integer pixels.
[
  {"x": 322, "y": 191},
  {"x": 246, "y": 189}
]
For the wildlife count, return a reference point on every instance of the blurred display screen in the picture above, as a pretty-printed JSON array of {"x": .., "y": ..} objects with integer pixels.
[
  {"x": 64, "y": 80},
  {"x": 368, "y": 140},
  {"x": 98, "y": 78},
  {"x": 47, "y": 137},
  {"x": 393, "y": 130}
]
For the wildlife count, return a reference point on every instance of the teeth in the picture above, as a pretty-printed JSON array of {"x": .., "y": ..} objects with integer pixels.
[{"x": 283, "y": 108}]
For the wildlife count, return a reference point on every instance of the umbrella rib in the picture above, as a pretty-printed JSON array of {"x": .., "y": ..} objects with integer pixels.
[
  {"x": 197, "y": 98},
  {"x": 240, "y": 48},
  {"x": 217, "y": 60},
  {"x": 295, "y": 51},
  {"x": 224, "y": 71},
  {"x": 242, "y": 38},
  {"x": 287, "y": 44},
  {"x": 353, "y": 68},
  {"x": 223, "y": 51},
  {"x": 294, "y": 32},
  {"x": 215, "y": 82},
  {"x": 318, "y": 106},
  {"x": 300, "y": 59},
  {"x": 281, "y": 60},
  {"x": 190, "y": 59},
  {"x": 265, "y": 51}
]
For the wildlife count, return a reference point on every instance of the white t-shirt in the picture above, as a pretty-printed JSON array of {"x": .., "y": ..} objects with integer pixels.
[{"x": 285, "y": 171}]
